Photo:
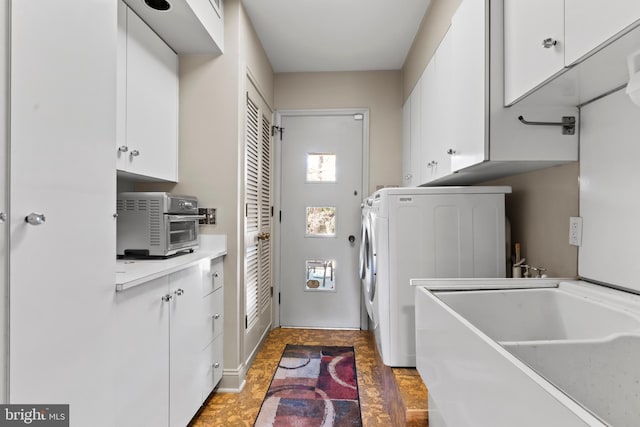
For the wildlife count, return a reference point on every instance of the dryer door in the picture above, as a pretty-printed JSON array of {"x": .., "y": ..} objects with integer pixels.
[{"x": 368, "y": 271}]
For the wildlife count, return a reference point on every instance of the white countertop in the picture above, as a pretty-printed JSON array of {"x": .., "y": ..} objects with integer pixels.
[{"x": 130, "y": 273}]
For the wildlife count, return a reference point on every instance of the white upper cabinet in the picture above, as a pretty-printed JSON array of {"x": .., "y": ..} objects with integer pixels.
[
  {"x": 567, "y": 51},
  {"x": 590, "y": 23},
  {"x": 439, "y": 109},
  {"x": 147, "y": 142},
  {"x": 412, "y": 137},
  {"x": 467, "y": 135},
  {"x": 406, "y": 143},
  {"x": 188, "y": 26},
  {"x": 534, "y": 44},
  {"x": 470, "y": 75}
]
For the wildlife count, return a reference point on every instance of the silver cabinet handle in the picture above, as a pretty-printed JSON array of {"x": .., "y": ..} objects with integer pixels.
[
  {"x": 216, "y": 316},
  {"x": 216, "y": 274},
  {"x": 135, "y": 153},
  {"x": 3, "y": 217},
  {"x": 549, "y": 43},
  {"x": 35, "y": 218},
  {"x": 216, "y": 365},
  {"x": 179, "y": 291},
  {"x": 451, "y": 151},
  {"x": 123, "y": 149},
  {"x": 167, "y": 298},
  {"x": 408, "y": 176}
]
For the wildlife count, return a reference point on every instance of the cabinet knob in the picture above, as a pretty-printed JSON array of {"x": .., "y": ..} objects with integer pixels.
[
  {"x": 216, "y": 316},
  {"x": 179, "y": 291},
  {"x": 549, "y": 43},
  {"x": 216, "y": 274},
  {"x": 123, "y": 149},
  {"x": 167, "y": 298},
  {"x": 135, "y": 153},
  {"x": 216, "y": 365},
  {"x": 35, "y": 218},
  {"x": 451, "y": 151},
  {"x": 3, "y": 217},
  {"x": 408, "y": 176}
]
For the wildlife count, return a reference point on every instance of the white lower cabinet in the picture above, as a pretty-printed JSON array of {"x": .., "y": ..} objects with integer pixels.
[
  {"x": 167, "y": 361},
  {"x": 212, "y": 338}
]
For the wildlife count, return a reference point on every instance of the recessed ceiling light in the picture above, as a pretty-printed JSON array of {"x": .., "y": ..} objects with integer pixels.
[{"x": 161, "y": 5}]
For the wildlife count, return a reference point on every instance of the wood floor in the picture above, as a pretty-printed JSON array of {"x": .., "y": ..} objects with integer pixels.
[{"x": 378, "y": 396}]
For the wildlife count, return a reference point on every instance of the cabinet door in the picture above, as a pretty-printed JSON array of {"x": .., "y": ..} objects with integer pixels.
[
  {"x": 187, "y": 328},
  {"x": 141, "y": 354},
  {"x": 443, "y": 108},
  {"x": 406, "y": 143},
  {"x": 528, "y": 63},
  {"x": 469, "y": 68},
  {"x": 429, "y": 119},
  {"x": 151, "y": 103},
  {"x": 416, "y": 134},
  {"x": 590, "y": 23},
  {"x": 61, "y": 272}
]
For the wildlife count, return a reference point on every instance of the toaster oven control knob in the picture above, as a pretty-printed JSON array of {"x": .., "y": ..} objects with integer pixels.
[{"x": 35, "y": 218}]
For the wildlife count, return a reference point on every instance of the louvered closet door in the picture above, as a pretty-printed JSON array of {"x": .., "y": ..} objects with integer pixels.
[{"x": 258, "y": 272}]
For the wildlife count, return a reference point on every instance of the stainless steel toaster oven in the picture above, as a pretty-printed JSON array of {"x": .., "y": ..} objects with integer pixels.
[{"x": 156, "y": 224}]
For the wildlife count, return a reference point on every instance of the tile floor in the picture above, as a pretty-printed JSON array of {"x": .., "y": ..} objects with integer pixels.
[{"x": 241, "y": 409}]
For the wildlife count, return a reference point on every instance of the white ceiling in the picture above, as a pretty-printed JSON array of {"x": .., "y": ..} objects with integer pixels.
[{"x": 336, "y": 35}]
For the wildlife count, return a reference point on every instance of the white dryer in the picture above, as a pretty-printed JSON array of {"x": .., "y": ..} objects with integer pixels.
[
  {"x": 367, "y": 260},
  {"x": 428, "y": 232}
]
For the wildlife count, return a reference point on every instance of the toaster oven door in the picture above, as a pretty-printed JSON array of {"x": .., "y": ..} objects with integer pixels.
[{"x": 182, "y": 231}]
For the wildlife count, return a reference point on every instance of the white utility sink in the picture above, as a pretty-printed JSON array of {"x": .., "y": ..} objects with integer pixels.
[{"x": 560, "y": 356}]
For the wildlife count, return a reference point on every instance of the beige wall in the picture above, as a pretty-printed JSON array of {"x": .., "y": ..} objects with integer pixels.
[
  {"x": 539, "y": 209},
  {"x": 379, "y": 91},
  {"x": 433, "y": 28},
  {"x": 212, "y": 103}
]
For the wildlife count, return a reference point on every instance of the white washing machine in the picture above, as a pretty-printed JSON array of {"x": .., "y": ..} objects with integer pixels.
[{"x": 428, "y": 232}]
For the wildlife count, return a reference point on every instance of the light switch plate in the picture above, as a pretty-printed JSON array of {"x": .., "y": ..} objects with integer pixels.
[{"x": 575, "y": 230}]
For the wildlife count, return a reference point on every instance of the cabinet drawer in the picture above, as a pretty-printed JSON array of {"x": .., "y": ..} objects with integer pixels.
[
  {"x": 214, "y": 312},
  {"x": 215, "y": 277},
  {"x": 214, "y": 366}
]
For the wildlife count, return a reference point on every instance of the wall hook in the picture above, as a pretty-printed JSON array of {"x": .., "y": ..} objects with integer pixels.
[
  {"x": 568, "y": 124},
  {"x": 275, "y": 129}
]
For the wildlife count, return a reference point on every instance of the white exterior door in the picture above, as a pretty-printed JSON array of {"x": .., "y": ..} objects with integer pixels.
[
  {"x": 257, "y": 222},
  {"x": 321, "y": 193}
]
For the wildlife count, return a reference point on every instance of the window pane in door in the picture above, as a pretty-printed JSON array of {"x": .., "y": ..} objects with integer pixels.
[
  {"x": 321, "y": 275},
  {"x": 321, "y": 221},
  {"x": 321, "y": 167}
]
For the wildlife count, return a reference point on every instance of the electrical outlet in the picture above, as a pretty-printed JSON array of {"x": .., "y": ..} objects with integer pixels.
[{"x": 575, "y": 230}]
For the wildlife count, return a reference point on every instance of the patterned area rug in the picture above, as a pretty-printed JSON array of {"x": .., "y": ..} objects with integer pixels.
[{"x": 313, "y": 386}]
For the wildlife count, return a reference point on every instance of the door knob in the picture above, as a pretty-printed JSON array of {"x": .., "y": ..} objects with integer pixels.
[
  {"x": 35, "y": 218},
  {"x": 352, "y": 238}
]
